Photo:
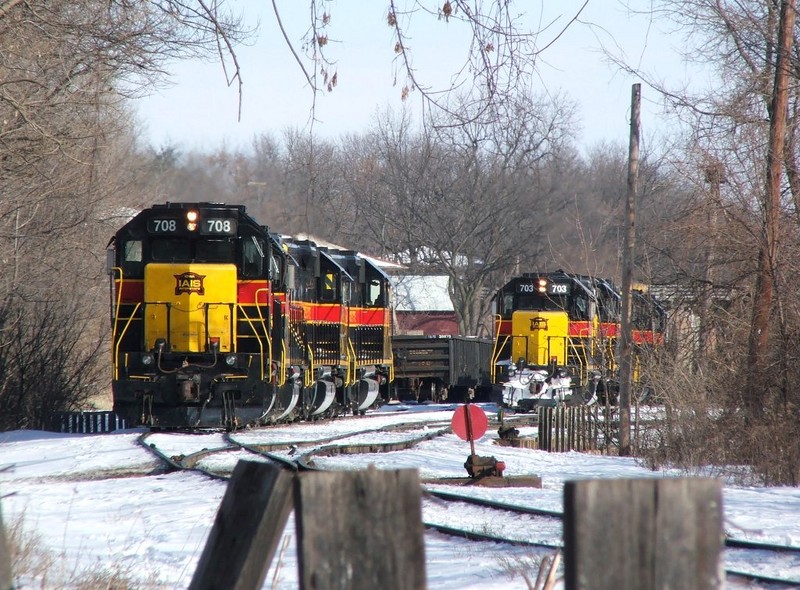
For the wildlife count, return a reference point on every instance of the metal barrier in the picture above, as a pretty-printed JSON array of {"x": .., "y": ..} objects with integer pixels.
[
  {"x": 568, "y": 428},
  {"x": 86, "y": 422}
]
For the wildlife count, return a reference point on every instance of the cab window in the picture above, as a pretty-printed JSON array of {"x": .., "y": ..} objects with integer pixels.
[
  {"x": 375, "y": 295},
  {"x": 580, "y": 309},
  {"x": 253, "y": 258},
  {"x": 132, "y": 259},
  {"x": 213, "y": 251},
  {"x": 508, "y": 305}
]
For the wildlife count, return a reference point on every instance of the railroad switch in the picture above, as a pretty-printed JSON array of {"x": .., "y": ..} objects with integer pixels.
[
  {"x": 507, "y": 432},
  {"x": 484, "y": 467}
]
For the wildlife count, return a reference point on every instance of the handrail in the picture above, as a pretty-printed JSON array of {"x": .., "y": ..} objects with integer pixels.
[
  {"x": 281, "y": 377},
  {"x": 583, "y": 359},
  {"x": 387, "y": 342},
  {"x": 308, "y": 377},
  {"x": 260, "y": 343},
  {"x": 497, "y": 347},
  {"x": 351, "y": 364},
  {"x": 261, "y": 317},
  {"x": 117, "y": 343},
  {"x": 116, "y": 316}
]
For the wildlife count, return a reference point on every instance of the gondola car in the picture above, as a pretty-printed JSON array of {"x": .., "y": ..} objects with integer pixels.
[
  {"x": 195, "y": 341},
  {"x": 554, "y": 338}
]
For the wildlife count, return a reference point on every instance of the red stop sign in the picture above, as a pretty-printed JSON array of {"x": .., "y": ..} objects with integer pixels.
[{"x": 469, "y": 420}]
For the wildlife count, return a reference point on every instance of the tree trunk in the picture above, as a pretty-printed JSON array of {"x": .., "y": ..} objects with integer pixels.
[{"x": 768, "y": 248}]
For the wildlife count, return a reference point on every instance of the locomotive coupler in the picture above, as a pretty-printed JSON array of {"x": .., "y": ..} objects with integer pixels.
[{"x": 478, "y": 466}]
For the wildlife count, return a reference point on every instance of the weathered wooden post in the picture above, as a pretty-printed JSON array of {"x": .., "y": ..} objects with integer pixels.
[
  {"x": 6, "y": 576},
  {"x": 360, "y": 530},
  {"x": 247, "y": 528},
  {"x": 643, "y": 534},
  {"x": 545, "y": 433}
]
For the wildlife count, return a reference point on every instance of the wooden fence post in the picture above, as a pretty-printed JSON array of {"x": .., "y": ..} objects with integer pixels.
[
  {"x": 360, "y": 530},
  {"x": 6, "y": 576},
  {"x": 247, "y": 528},
  {"x": 643, "y": 534}
]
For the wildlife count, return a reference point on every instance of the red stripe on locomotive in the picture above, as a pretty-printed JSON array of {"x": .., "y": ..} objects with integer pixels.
[
  {"x": 248, "y": 291},
  {"x": 323, "y": 312},
  {"x": 580, "y": 329},
  {"x": 647, "y": 337},
  {"x": 609, "y": 330},
  {"x": 132, "y": 290},
  {"x": 505, "y": 327},
  {"x": 368, "y": 316}
]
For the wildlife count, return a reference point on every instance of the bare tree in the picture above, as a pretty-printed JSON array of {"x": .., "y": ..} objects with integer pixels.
[
  {"x": 67, "y": 164},
  {"x": 464, "y": 202},
  {"x": 744, "y": 229},
  {"x": 500, "y": 48}
]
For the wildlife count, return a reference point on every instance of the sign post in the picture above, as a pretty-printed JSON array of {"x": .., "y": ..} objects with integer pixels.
[{"x": 469, "y": 423}]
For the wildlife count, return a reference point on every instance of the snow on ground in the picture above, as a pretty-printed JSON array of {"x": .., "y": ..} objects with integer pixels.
[{"x": 98, "y": 503}]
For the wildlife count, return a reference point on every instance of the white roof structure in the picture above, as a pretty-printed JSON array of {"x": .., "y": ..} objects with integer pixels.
[{"x": 421, "y": 293}]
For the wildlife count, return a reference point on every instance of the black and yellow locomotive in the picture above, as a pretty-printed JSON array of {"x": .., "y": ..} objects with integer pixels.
[
  {"x": 556, "y": 335},
  {"x": 216, "y": 322}
]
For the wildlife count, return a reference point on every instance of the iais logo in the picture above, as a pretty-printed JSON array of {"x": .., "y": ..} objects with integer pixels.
[{"x": 189, "y": 282}]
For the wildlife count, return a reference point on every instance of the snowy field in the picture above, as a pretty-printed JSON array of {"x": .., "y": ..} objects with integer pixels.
[{"x": 93, "y": 502}]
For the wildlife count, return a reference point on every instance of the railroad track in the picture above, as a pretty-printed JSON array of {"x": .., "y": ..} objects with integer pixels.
[
  {"x": 216, "y": 453},
  {"x": 772, "y": 557},
  {"x": 466, "y": 516}
]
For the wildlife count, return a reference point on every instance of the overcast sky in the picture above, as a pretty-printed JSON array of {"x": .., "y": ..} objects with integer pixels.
[{"x": 201, "y": 111}]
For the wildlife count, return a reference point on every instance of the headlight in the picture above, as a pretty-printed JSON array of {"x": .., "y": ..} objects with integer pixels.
[
  {"x": 191, "y": 220},
  {"x": 230, "y": 360},
  {"x": 147, "y": 359}
]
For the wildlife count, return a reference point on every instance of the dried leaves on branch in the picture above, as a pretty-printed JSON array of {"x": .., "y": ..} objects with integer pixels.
[{"x": 499, "y": 45}]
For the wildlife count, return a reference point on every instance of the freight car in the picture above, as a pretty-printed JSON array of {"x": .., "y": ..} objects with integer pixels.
[
  {"x": 439, "y": 368},
  {"x": 217, "y": 322}
]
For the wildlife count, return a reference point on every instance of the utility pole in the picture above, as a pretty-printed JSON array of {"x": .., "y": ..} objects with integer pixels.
[
  {"x": 625, "y": 348},
  {"x": 714, "y": 176}
]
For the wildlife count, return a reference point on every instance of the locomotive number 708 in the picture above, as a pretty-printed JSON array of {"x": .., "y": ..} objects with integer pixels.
[{"x": 218, "y": 226}]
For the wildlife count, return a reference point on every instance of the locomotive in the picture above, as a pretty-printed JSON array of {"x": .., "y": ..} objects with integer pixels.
[
  {"x": 219, "y": 323},
  {"x": 555, "y": 338}
]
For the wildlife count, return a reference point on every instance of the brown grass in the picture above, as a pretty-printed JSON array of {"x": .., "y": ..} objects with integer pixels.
[{"x": 35, "y": 566}]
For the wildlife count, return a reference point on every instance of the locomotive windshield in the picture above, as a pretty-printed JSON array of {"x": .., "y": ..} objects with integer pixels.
[
  {"x": 184, "y": 250},
  {"x": 540, "y": 302},
  {"x": 543, "y": 294}
]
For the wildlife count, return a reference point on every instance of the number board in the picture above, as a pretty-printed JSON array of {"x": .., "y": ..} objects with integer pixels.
[
  {"x": 161, "y": 225},
  {"x": 558, "y": 288},
  {"x": 217, "y": 226},
  {"x": 552, "y": 288},
  {"x": 527, "y": 288}
]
